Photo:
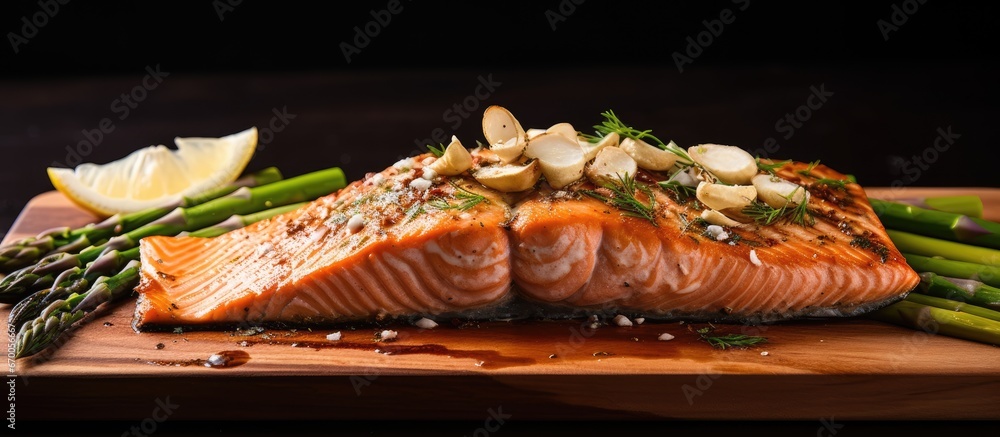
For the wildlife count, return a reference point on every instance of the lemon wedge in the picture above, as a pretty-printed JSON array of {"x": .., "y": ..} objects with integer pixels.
[{"x": 156, "y": 176}]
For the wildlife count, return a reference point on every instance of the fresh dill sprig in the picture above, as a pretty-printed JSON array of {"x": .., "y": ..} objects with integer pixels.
[
  {"x": 728, "y": 340},
  {"x": 765, "y": 214},
  {"x": 833, "y": 183},
  {"x": 614, "y": 124},
  {"x": 437, "y": 150},
  {"x": 467, "y": 200},
  {"x": 683, "y": 192},
  {"x": 809, "y": 169},
  {"x": 624, "y": 198},
  {"x": 770, "y": 168}
]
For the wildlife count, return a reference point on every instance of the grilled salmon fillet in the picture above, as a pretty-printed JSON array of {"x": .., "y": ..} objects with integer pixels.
[
  {"x": 580, "y": 252},
  {"x": 395, "y": 244}
]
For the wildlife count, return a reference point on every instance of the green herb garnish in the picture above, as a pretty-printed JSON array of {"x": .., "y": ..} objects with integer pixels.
[
  {"x": 728, "y": 340},
  {"x": 765, "y": 214},
  {"x": 437, "y": 150},
  {"x": 683, "y": 192},
  {"x": 623, "y": 197},
  {"x": 833, "y": 183},
  {"x": 770, "y": 168},
  {"x": 614, "y": 124},
  {"x": 809, "y": 169},
  {"x": 467, "y": 200}
]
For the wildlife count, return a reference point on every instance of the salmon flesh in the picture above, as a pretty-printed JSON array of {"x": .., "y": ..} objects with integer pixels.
[{"x": 390, "y": 246}]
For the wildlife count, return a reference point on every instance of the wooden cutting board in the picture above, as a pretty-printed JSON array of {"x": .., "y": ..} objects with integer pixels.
[{"x": 809, "y": 370}]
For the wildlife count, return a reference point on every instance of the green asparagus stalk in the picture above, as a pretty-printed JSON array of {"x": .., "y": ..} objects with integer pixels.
[
  {"x": 963, "y": 290},
  {"x": 970, "y": 205},
  {"x": 27, "y": 280},
  {"x": 927, "y": 246},
  {"x": 57, "y": 318},
  {"x": 935, "y": 320},
  {"x": 28, "y": 251},
  {"x": 77, "y": 280},
  {"x": 944, "y": 225},
  {"x": 953, "y": 305},
  {"x": 989, "y": 275}
]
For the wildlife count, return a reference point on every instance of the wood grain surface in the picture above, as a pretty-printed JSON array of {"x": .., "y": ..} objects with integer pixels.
[{"x": 848, "y": 369}]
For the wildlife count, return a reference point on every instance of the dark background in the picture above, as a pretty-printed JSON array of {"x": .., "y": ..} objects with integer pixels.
[
  {"x": 231, "y": 71},
  {"x": 231, "y": 67}
]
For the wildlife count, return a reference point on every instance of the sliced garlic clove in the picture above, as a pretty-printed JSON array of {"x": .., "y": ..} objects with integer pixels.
[
  {"x": 509, "y": 151},
  {"x": 510, "y": 178},
  {"x": 499, "y": 126},
  {"x": 732, "y": 165},
  {"x": 590, "y": 150},
  {"x": 611, "y": 164},
  {"x": 717, "y": 218},
  {"x": 648, "y": 156},
  {"x": 778, "y": 193},
  {"x": 560, "y": 158},
  {"x": 684, "y": 177},
  {"x": 726, "y": 197},
  {"x": 564, "y": 129},
  {"x": 455, "y": 160},
  {"x": 534, "y": 132}
]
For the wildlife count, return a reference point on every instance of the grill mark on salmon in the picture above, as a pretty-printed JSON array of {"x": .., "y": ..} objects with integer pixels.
[{"x": 560, "y": 251}]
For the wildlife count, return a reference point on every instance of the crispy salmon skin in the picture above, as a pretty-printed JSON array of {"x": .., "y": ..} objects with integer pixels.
[{"x": 399, "y": 244}]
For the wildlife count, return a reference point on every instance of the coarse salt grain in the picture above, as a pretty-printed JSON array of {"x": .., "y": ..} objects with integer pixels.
[
  {"x": 764, "y": 354},
  {"x": 754, "y": 259},
  {"x": 420, "y": 184},
  {"x": 404, "y": 163},
  {"x": 215, "y": 360},
  {"x": 425, "y": 323},
  {"x": 665, "y": 337},
  {"x": 387, "y": 335},
  {"x": 621, "y": 320},
  {"x": 639, "y": 320},
  {"x": 355, "y": 223},
  {"x": 333, "y": 337},
  {"x": 717, "y": 232}
]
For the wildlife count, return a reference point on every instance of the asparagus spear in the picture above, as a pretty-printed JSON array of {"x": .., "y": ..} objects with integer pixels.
[
  {"x": 940, "y": 321},
  {"x": 989, "y": 275},
  {"x": 971, "y": 206},
  {"x": 57, "y": 318},
  {"x": 944, "y": 225},
  {"x": 964, "y": 290},
  {"x": 953, "y": 305},
  {"x": 37, "y": 277},
  {"x": 27, "y": 251},
  {"x": 77, "y": 280},
  {"x": 927, "y": 246}
]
